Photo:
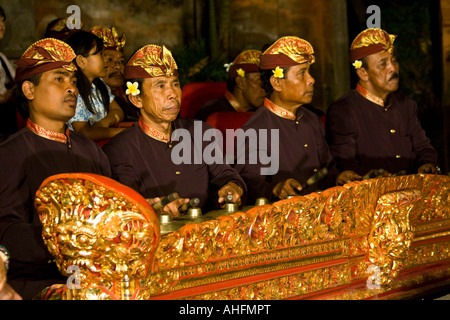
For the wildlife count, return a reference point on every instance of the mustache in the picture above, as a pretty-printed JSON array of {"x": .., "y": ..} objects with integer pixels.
[
  {"x": 394, "y": 76},
  {"x": 71, "y": 96},
  {"x": 115, "y": 74},
  {"x": 172, "y": 104}
]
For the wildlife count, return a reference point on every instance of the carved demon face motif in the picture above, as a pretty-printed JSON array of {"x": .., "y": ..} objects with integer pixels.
[
  {"x": 110, "y": 246},
  {"x": 98, "y": 233}
]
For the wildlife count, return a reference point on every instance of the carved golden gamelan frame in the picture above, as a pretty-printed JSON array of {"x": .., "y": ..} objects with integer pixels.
[{"x": 386, "y": 238}]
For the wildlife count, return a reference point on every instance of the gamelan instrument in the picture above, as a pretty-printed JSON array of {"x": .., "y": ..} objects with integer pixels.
[
  {"x": 166, "y": 200},
  {"x": 383, "y": 238}
]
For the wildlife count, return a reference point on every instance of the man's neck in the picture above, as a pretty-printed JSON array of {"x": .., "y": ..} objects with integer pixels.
[
  {"x": 237, "y": 101},
  {"x": 51, "y": 125},
  {"x": 116, "y": 90},
  {"x": 156, "y": 131},
  {"x": 370, "y": 96},
  {"x": 381, "y": 95},
  {"x": 291, "y": 107},
  {"x": 161, "y": 126}
]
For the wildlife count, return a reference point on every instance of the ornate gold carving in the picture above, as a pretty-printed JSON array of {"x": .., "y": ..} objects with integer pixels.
[
  {"x": 433, "y": 275},
  {"x": 104, "y": 236},
  {"x": 289, "y": 223},
  {"x": 333, "y": 214},
  {"x": 293, "y": 248},
  {"x": 242, "y": 267},
  {"x": 391, "y": 234},
  {"x": 337, "y": 213},
  {"x": 290, "y": 286},
  {"x": 429, "y": 253},
  {"x": 436, "y": 207}
]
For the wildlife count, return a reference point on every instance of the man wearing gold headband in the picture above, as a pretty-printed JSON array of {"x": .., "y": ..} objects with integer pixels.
[
  {"x": 374, "y": 129},
  {"x": 244, "y": 92},
  {"x": 142, "y": 156},
  {"x": 47, "y": 93},
  {"x": 302, "y": 149},
  {"x": 113, "y": 44}
]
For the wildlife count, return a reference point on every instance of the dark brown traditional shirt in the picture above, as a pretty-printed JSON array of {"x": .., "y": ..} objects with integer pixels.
[
  {"x": 150, "y": 162},
  {"x": 364, "y": 133},
  {"x": 301, "y": 147},
  {"x": 27, "y": 158}
]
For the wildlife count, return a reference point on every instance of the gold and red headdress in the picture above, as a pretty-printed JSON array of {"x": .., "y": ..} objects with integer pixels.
[
  {"x": 111, "y": 38},
  {"x": 286, "y": 52},
  {"x": 151, "y": 61},
  {"x": 371, "y": 41},
  {"x": 246, "y": 62},
  {"x": 44, "y": 55}
]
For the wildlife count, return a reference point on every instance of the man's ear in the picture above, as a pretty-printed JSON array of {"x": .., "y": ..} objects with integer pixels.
[
  {"x": 276, "y": 83},
  {"x": 362, "y": 74},
  {"x": 136, "y": 100},
  {"x": 28, "y": 89}
]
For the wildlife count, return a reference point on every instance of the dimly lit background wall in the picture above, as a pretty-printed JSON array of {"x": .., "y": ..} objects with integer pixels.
[{"x": 205, "y": 34}]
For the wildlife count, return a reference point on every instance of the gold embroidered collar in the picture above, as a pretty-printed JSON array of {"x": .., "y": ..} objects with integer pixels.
[
  {"x": 369, "y": 96},
  {"x": 153, "y": 133},
  {"x": 279, "y": 111},
  {"x": 233, "y": 101},
  {"x": 51, "y": 135}
]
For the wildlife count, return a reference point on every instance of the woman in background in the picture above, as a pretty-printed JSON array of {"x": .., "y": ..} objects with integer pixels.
[{"x": 97, "y": 113}]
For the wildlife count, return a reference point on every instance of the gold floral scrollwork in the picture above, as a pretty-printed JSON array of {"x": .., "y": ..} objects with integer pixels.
[
  {"x": 265, "y": 230},
  {"x": 437, "y": 193},
  {"x": 391, "y": 234}
]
